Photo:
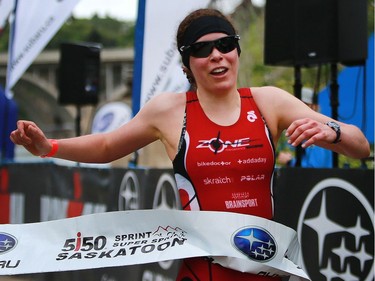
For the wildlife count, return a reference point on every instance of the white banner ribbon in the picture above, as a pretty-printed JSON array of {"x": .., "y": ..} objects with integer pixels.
[{"x": 241, "y": 242}]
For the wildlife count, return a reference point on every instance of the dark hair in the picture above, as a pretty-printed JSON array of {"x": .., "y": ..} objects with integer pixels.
[{"x": 193, "y": 16}]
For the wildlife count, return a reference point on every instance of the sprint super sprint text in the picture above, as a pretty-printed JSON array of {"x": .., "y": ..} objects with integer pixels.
[{"x": 90, "y": 247}]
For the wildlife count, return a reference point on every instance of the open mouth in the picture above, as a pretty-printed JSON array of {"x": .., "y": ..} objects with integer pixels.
[{"x": 219, "y": 71}]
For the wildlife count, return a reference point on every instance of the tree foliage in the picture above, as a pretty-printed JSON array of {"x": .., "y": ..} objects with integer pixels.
[
  {"x": 109, "y": 32},
  {"x": 253, "y": 72},
  {"x": 250, "y": 23}
]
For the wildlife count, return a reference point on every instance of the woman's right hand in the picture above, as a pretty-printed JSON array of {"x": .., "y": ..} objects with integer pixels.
[{"x": 30, "y": 136}]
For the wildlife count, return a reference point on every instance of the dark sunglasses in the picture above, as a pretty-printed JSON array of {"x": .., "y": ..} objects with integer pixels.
[{"x": 203, "y": 49}]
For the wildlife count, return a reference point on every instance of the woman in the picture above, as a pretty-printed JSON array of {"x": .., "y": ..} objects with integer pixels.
[{"x": 219, "y": 138}]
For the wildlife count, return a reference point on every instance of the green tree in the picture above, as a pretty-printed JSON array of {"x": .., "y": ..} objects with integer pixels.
[{"x": 109, "y": 32}]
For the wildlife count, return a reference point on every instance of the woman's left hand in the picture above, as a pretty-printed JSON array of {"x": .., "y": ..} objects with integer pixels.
[{"x": 309, "y": 132}]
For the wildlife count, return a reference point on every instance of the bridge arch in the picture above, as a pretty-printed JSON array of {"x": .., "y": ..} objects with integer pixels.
[{"x": 36, "y": 92}]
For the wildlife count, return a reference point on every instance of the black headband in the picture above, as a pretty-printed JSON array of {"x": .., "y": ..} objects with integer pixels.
[{"x": 203, "y": 26}]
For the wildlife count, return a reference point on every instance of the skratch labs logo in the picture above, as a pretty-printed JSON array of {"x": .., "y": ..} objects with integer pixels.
[
  {"x": 256, "y": 243},
  {"x": 336, "y": 232}
]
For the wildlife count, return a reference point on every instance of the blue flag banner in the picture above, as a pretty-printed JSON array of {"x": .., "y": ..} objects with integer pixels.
[
  {"x": 8, "y": 119},
  {"x": 356, "y": 95}
]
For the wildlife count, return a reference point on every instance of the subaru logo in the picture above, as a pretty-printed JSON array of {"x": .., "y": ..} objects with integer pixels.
[
  {"x": 7, "y": 242},
  {"x": 336, "y": 230},
  {"x": 256, "y": 243}
]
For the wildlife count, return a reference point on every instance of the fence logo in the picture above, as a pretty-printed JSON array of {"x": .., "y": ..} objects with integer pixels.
[
  {"x": 166, "y": 197},
  {"x": 256, "y": 243},
  {"x": 7, "y": 242},
  {"x": 336, "y": 232},
  {"x": 129, "y": 192}
]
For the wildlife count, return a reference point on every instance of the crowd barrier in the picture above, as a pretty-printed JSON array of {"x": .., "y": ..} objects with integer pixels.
[{"x": 332, "y": 211}]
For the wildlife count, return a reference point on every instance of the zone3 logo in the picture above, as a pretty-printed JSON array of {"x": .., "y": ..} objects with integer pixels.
[{"x": 217, "y": 145}]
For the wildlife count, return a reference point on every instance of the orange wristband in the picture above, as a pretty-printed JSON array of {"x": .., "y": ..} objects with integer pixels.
[{"x": 55, "y": 147}]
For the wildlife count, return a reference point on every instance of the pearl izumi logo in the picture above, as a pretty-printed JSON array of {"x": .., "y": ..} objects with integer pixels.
[
  {"x": 336, "y": 232},
  {"x": 256, "y": 243},
  {"x": 251, "y": 116}
]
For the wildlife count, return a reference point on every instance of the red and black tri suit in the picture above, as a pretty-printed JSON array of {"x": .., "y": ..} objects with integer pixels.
[{"x": 224, "y": 168}]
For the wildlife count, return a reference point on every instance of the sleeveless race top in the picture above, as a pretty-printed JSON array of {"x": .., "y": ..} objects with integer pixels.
[{"x": 225, "y": 168}]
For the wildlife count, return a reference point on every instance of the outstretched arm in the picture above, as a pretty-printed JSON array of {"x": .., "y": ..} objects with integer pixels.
[
  {"x": 95, "y": 148},
  {"x": 160, "y": 118},
  {"x": 305, "y": 126}
]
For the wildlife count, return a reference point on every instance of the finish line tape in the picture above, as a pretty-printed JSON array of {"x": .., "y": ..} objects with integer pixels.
[{"x": 241, "y": 242}]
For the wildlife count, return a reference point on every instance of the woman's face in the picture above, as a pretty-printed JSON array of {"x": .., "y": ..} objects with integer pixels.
[{"x": 218, "y": 71}]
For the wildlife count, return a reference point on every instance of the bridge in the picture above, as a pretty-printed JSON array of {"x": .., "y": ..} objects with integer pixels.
[{"x": 36, "y": 93}]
